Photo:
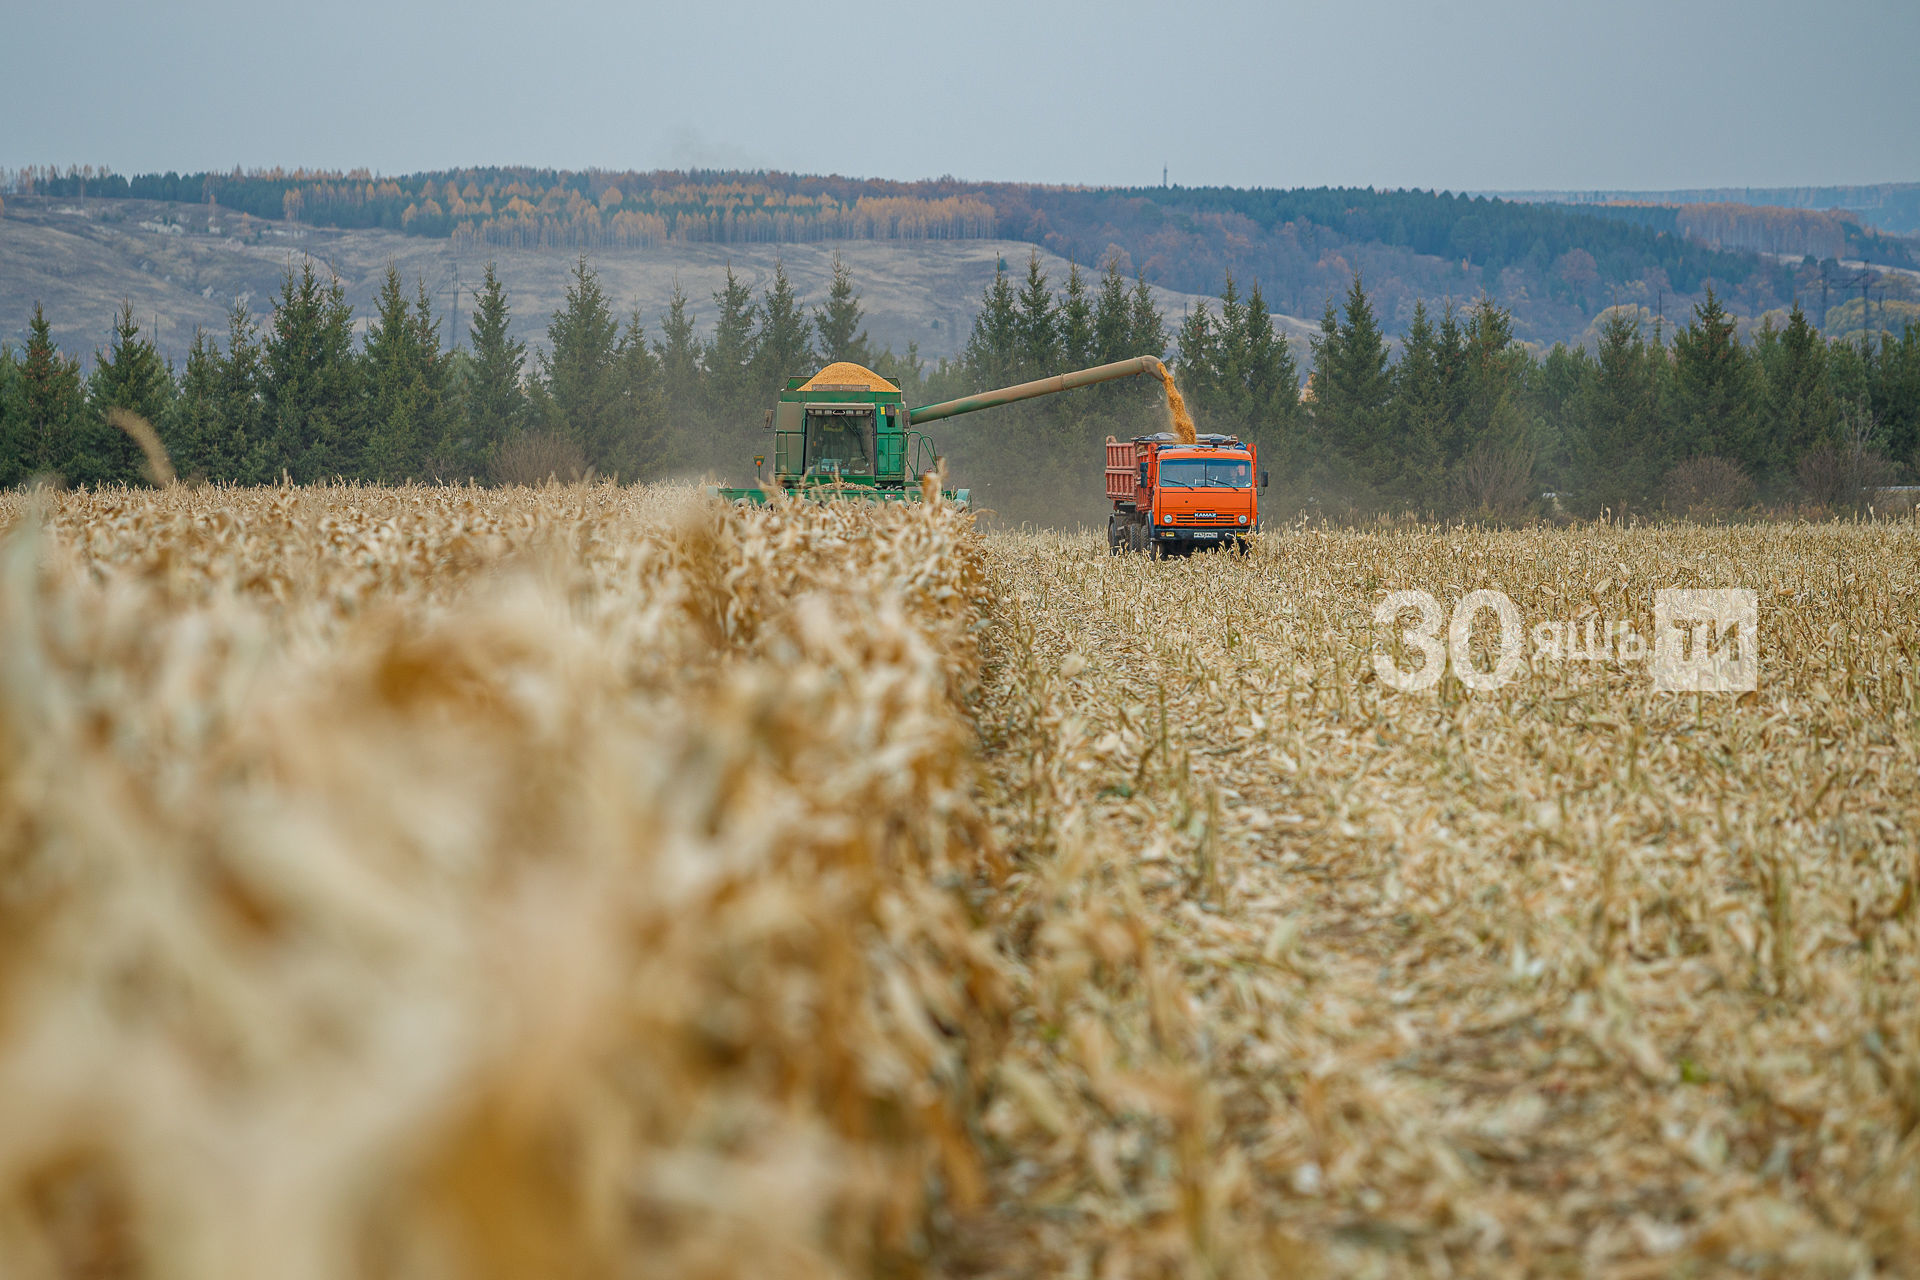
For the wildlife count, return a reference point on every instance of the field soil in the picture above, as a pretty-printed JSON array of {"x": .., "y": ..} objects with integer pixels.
[
  {"x": 182, "y": 266},
  {"x": 599, "y": 881}
]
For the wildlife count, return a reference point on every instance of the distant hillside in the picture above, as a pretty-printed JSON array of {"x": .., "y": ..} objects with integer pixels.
[
  {"x": 1892, "y": 207},
  {"x": 1834, "y": 235},
  {"x": 183, "y": 265},
  {"x": 1555, "y": 268}
]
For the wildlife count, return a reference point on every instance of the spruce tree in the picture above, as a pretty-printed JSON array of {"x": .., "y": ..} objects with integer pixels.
[
  {"x": 579, "y": 374},
  {"x": 1896, "y": 394},
  {"x": 1410, "y": 464},
  {"x": 1451, "y": 350},
  {"x": 838, "y": 323},
  {"x": 637, "y": 451},
  {"x": 993, "y": 347},
  {"x": 1079, "y": 342},
  {"x": 784, "y": 345},
  {"x": 494, "y": 400},
  {"x": 680, "y": 356},
  {"x": 1797, "y": 408},
  {"x": 1494, "y": 372},
  {"x": 192, "y": 431},
  {"x": 730, "y": 358},
  {"x": 1497, "y": 451},
  {"x": 1112, "y": 320},
  {"x": 314, "y": 428},
  {"x": 1891, "y": 364},
  {"x": 1146, "y": 329},
  {"x": 395, "y": 388},
  {"x": 1552, "y": 389},
  {"x": 1849, "y": 374},
  {"x": 1715, "y": 394},
  {"x": 445, "y": 449},
  {"x": 13, "y": 425},
  {"x": 243, "y": 453},
  {"x": 53, "y": 407},
  {"x": 1616, "y": 451},
  {"x": 1196, "y": 362},
  {"x": 1037, "y": 324},
  {"x": 1351, "y": 388},
  {"x": 1232, "y": 396},
  {"x": 128, "y": 376},
  {"x": 1273, "y": 376}
]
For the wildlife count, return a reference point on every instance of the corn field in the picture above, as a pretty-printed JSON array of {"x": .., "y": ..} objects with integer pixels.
[{"x": 588, "y": 881}]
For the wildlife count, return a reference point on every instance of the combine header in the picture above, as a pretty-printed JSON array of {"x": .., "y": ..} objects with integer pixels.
[{"x": 847, "y": 433}]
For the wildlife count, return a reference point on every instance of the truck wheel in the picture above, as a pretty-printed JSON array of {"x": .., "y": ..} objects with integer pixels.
[
  {"x": 1116, "y": 534},
  {"x": 1137, "y": 537}
]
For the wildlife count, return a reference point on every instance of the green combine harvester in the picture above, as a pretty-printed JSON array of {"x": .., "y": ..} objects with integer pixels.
[{"x": 846, "y": 433}]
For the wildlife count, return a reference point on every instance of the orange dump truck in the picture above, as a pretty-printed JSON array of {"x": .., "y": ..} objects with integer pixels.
[{"x": 1170, "y": 496}]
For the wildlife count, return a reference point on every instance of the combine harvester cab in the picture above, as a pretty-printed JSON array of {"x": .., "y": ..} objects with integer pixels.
[
  {"x": 1171, "y": 496},
  {"x": 845, "y": 434}
]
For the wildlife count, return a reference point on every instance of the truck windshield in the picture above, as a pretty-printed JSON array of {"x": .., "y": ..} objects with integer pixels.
[
  {"x": 1207, "y": 473},
  {"x": 837, "y": 444}
]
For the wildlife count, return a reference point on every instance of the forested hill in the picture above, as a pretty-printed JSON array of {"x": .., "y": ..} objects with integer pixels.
[
  {"x": 1892, "y": 207},
  {"x": 1554, "y": 267}
]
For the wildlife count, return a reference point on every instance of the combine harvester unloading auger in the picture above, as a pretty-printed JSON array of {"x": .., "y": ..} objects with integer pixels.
[{"x": 847, "y": 433}]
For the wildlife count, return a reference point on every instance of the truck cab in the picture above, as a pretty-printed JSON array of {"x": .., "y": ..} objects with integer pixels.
[{"x": 1169, "y": 495}]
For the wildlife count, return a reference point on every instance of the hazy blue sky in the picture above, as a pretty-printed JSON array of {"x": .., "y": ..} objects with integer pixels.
[{"x": 1477, "y": 94}]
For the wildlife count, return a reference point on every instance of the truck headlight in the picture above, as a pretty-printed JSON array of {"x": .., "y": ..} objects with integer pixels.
[
  {"x": 1243, "y": 519},
  {"x": 1167, "y": 519}
]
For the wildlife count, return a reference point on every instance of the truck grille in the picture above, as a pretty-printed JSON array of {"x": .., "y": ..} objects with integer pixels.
[{"x": 1208, "y": 519}]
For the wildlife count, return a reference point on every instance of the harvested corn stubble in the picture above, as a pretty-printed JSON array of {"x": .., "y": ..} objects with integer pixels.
[
  {"x": 1566, "y": 977},
  {"x": 436, "y": 881},
  {"x": 596, "y": 881}
]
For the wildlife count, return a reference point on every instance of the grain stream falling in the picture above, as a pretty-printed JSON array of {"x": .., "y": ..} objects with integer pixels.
[
  {"x": 1177, "y": 407},
  {"x": 591, "y": 881}
]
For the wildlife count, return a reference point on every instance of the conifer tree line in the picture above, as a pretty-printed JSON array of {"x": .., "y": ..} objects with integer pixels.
[
  {"x": 1466, "y": 420},
  {"x": 1457, "y": 418},
  {"x": 293, "y": 394},
  {"x": 1040, "y": 460}
]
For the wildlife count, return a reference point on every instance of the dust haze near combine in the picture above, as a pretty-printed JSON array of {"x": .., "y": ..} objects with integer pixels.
[{"x": 1492, "y": 95}]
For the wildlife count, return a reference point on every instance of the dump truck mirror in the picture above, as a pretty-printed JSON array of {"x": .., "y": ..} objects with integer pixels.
[
  {"x": 769, "y": 422},
  {"x": 1263, "y": 479}
]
